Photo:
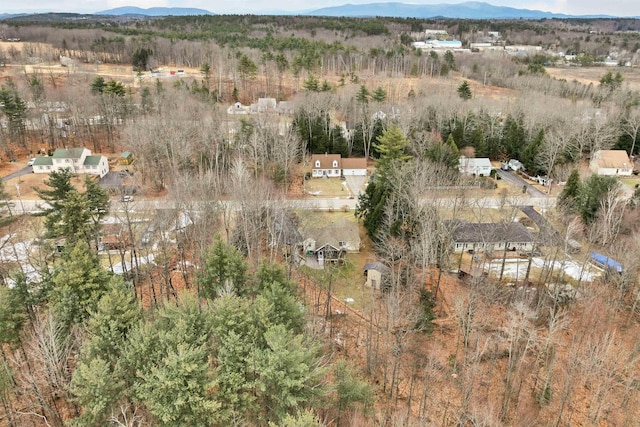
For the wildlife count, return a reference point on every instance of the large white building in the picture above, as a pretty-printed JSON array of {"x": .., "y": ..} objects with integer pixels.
[{"x": 78, "y": 160}]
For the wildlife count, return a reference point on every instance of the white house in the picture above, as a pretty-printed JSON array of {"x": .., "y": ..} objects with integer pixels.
[
  {"x": 474, "y": 166},
  {"x": 78, "y": 160},
  {"x": 334, "y": 166},
  {"x": 611, "y": 163},
  {"x": 326, "y": 166}
]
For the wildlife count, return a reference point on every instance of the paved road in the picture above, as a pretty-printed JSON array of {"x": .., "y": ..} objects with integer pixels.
[
  {"x": 321, "y": 204},
  {"x": 518, "y": 181},
  {"x": 18, "y": 173}
]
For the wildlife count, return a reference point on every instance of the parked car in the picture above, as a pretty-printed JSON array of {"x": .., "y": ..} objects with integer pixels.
[
  {"x": 31, "y": 162},
  {"x": 127, "y": 198}
]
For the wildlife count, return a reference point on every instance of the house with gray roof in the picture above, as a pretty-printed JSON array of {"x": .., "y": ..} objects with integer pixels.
[
  {"x": 78, "y": 160},
  {"x": 331, "y": 243},
  {"x": 489, "y": 236}
]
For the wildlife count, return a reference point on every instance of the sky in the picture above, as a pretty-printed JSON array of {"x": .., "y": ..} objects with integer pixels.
[{"x": 572, "y": 7}]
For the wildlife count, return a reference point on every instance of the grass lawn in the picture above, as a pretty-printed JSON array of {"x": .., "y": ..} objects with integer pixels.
[
  {"x": 347, "y": 281},
  {"x": 630, "y": 182},
  {"x": 329, "y": 187},
  {"x": 312, "y": 219}
]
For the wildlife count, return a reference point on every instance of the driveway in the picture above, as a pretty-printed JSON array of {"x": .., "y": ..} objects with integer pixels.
[
  {"x": 548, "y": 234},
  {"x": 356, "y": 184},
  {"x": 24, "y": 171},
  {"x": 519, "y": 182}
]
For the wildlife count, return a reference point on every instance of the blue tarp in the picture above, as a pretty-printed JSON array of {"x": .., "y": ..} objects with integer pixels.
[{"x": 607, "y": 262}]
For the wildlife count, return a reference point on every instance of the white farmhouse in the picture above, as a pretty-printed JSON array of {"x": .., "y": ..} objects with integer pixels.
[
  {"x": 611, "y": 163},
  {"x": 78, "y": 160},
  {"x": 474, "y": 166},
  {"x": 334, "y": 166}
]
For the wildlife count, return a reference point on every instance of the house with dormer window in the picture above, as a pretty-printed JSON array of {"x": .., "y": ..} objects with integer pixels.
[
  {"x": 326, "y": 166},
  {"x": 78, "y": 160},
  {"x": 334, "y": 166}
]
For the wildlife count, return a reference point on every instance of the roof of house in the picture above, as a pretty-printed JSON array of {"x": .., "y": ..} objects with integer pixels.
[
  {"x": 354, "y": 163},
  {"x": 378, "y": 266},
  {"x": 92, "y": 160},
  {"x": 68, "y": 153},
  {"x": 326, "y": 161},
  {"x": 342, "y": 230},
  {"x": 474, "y": 162},
  {"x": 43, "y": 161},
  {"x": 488, "y": 232},
  {"x": 614, "y": 159}
]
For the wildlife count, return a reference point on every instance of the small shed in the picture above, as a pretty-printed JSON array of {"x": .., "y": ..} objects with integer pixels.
[
  {"x": 377, "y": 275},
  {"x": 126, "y": 158}
]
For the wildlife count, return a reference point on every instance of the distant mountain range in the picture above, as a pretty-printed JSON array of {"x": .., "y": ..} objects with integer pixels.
[
  {"x": 154, "y": 11},
  {"x": 10, "y": 15},
  {"x": 466, "y": 10}
]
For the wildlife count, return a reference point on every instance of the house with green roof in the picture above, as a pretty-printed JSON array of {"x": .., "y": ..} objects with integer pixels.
[{"x": 78, "y": 160}]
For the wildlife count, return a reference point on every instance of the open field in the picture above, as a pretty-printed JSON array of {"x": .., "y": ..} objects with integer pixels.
[{"x": 592, "y": 75}]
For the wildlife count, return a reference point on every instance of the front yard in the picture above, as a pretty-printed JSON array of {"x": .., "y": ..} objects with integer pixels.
[{"x": 326, "y": 187}]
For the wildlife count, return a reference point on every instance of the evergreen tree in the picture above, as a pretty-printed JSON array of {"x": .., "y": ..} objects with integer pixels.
[
  {"x": 350, "y": 390},
  {"x": 392, "y": 146},
  {"x": 108, "y": 326},
  {"x": 445, "y": 153},
  {"x": 73, "y": 215},
  {"x": 205, "y": 69},
  {"x": 591, "y": 193},
  {"x": 287, "y": 373},
  {"x": 363, "y": 95},
  {"x": 224, "y": 268},
  {"x": 311, "y": 84},
  {"x": 78, "y": 284},
  {"x": 114, "y": 88},
  {"x": 15, "y": 110},
  {"x": 168, "y": 361},
  {"x": 98, "y": 85},
  {"x": 12, "y": 315},
  {"x": 464, "y": 91},
  {"x": 450, "y": 60},
  {"x": 60, "y": 186},
  {"x": 326, "y": 87},
  {"x": 379, "y": 94},
  {"x": 568, "y": 198},
  {"x": 140, "y": 59}
]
